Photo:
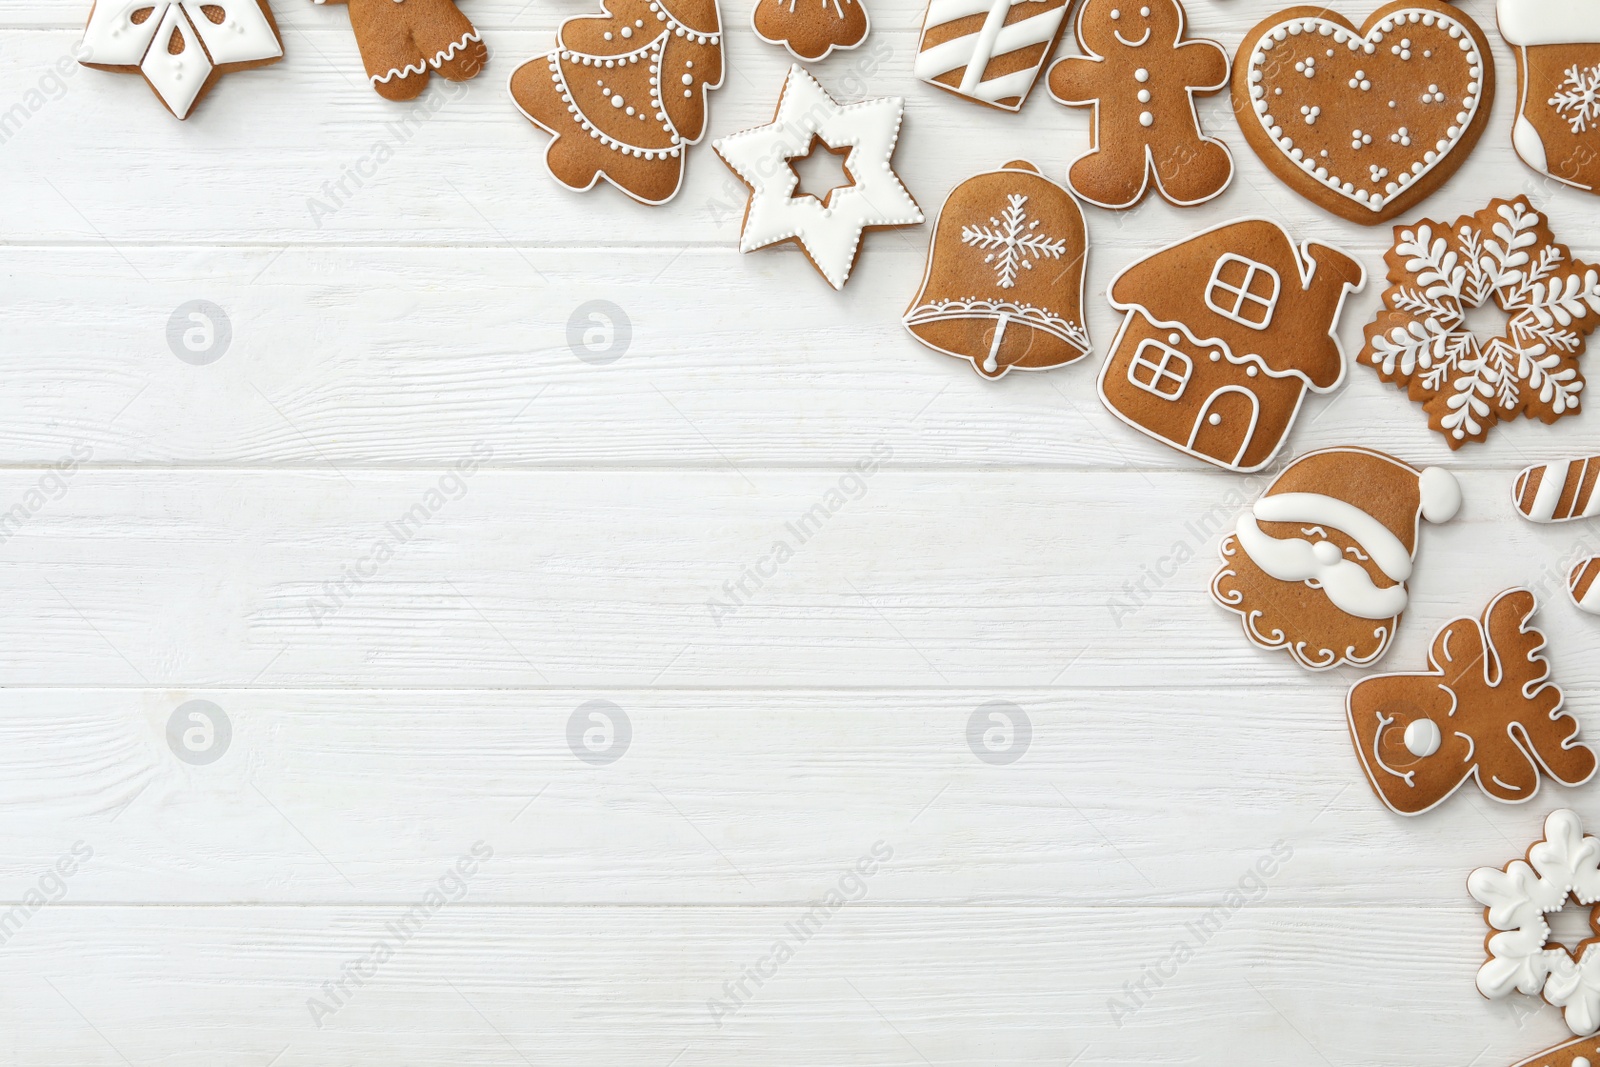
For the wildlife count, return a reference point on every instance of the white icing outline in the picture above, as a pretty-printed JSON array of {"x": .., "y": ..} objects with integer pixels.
[
  {"x": 1150, "y": 167},
  {"x": 866, "y": 30},
  {"x": 1074, "y": 333},
  {"x": 1339, "y": 30},
  {"x": 1590, "y": 602},
  {"x": 1491, "y": 669},
  {"x": 1563, "y": 865},
  {"x": 929, "y": 70},
  {"x": 440, "y": 58},
  {"x": 829, "y": 234},
  {"x": 1308, "y": 269},
  {"x": 1551, "y": 489},
  {"x": 670, "y": 24}
]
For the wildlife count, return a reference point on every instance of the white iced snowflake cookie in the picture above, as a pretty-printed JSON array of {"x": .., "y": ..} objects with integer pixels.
[
  {"x": 1564, "y": 865},
  {"x": 1504, "y": 257}
]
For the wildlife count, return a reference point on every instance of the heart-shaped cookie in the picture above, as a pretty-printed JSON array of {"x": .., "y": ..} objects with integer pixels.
[{"x": 1364, "y": 122}]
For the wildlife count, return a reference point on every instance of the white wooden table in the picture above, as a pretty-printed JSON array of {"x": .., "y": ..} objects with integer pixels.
[{"x": 423, "y": 323}]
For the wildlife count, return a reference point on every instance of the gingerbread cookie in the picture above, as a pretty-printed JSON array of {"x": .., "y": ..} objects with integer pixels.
[
  {"x": 1318, "y": 567},
  {"x": 1141, "y": 76},
  {"x": 1579, "y": 1052},
  {"x": 1004, "y": 281},
  {"x": 1558, "y": 492},
  {"x": 829, "y": 229},
  {"x": 1423, "y": 343},
  {"x": 1224, "y": 334},
  {"x": 1581, "y": 585},
  {"x": 1522, "y": 957},
  {"x": 1485, "y": 709},
  {"x": 180, "y": 48},
  {"x": 990, "y": 51},
  {"x": 810, "y": 29},
  {"x": 624, "y": 93},
  {"x": 402, "y": 43},
  {"x": 1365, "y": 122},
  {"x": 1557, "y": 125}
]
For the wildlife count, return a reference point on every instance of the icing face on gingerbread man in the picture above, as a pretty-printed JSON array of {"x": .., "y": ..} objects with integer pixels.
[
  {"x": 1141, "y": 76},
  {"x": 1485, "y": 710}
]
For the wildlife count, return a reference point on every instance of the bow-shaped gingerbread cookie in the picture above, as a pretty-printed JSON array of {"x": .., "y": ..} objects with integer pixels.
[{"x": 1485, "y": 710}]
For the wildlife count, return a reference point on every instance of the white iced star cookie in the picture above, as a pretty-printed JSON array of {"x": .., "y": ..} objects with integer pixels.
[{"x": 827, "y": 230}]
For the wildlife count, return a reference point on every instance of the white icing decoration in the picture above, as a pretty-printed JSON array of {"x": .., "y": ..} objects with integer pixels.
[
  {"x": 1553, "y": 482},
  {"x": 1441, "y": 494},
  {"x": 1517, "y": 900},
  {"x": 1378, "y": 194},
  {"x": 1012, "y": 241},
  {"x": 444, "y": 55},
  {"x": 830, "y": 235},
  {"x": 1577, "y": 99},
  {"x": 1422, "y": 738},
  {"x": 112, "y": 38},
  {"x": 1536, "y": 22},
  {"x": 973, "y": 53},
  {"x": 1376, "y": 539},
  {"x": 1344, "y": 581}
]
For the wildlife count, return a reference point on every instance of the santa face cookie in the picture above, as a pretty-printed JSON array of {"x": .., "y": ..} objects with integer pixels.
[
  {"x": 811, "y": 29},
  {"x": 989, "y": 51},
  {"x": 1485, "y": 709},
  {"x": 1224, "y": 334},
  {"x": 829, "y": 229},
  {"x": 1318, "y": 567},
  {"x": 1563, "y": 867},
  {"x": 1503, "y": 257},
  {"x": 1141, "y": 75},
  {"x": 1557, "y": 126},
  {"x": 1364, "y": 122},
  {"x": 181, "y": 48},
  {"x": 1004, "y": 282},
  {"x": 403, "y": 43},
  {"x": 624, "y": 94}
]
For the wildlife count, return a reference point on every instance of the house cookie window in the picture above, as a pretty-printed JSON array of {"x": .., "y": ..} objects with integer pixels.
[
  {"x": 1160, "y": 369},
  {"x": 1243, "y": 290}
]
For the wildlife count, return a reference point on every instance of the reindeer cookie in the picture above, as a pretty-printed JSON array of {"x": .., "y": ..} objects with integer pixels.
[
  {"x": 1485, "y": 709},
  {"x": 1141, "y": 76}
]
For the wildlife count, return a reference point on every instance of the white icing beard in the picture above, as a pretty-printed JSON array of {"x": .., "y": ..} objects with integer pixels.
[{"x": 1320, "y": 563}]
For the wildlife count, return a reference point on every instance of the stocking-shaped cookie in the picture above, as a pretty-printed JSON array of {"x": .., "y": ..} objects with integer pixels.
[
  {"x": 1486, "y": 710},
  {"x": 1141, "y": 76},
  {"x": 403, "y": 41},
  {"x": 1557, "y": 47}
]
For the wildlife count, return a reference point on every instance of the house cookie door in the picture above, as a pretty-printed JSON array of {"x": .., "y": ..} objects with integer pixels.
[{"x": 1225, "y": 425}]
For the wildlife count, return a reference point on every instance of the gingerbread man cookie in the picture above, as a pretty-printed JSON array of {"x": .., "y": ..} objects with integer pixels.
[
  {"x": 403, "y": 42},
  {"x": 1141, "y": 77},
  {"x": 1486, "y": 709}
]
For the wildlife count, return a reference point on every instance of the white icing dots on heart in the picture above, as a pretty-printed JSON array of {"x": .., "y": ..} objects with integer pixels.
[
  {"x": 1403, "y": 49},
  {"x": 1357, "y": 139},
  {"x": 1361, "y": 81},
  {"x": 1377, "y": 173},
  {"x": 1307, "y": 66},
  {"x": 1401, "y": 137},
  {"x": 1310, "y": 113},
  {"x": 1434, "y": 95}
]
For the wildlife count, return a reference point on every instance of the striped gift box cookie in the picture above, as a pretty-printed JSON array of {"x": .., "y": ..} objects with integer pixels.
[{"x": 1556, "y": 492}]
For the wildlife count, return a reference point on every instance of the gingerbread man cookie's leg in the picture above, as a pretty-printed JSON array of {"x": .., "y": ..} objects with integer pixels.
[
  {"x": 1192, "y": 171},
  {"x": 447, "y": 39},
  {"x": 394, "y": 62},
  {"x": 1114, "y": 174}
]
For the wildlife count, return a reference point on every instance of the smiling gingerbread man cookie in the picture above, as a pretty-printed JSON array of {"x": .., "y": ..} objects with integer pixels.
[{"x": 1141, "y": 76}]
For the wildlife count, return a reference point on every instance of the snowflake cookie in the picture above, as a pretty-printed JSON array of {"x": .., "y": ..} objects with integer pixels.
[
  {"x": 1516, "y": 899},
  {"x": 1504, "y": 257}
]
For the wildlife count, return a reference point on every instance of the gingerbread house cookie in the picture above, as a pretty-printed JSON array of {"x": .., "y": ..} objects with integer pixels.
[
  {"x": 1004, "y": 282},
  {"x": 1224, "y": 334}
]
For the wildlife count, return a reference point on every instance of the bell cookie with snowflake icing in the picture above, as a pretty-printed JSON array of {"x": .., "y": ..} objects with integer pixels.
[
  {"x": 1503, "y": 259},
  {"x": 181, "y": 48},
  {"x": 1556, "y": 130},
  {"x": 1004, "y": 281},
  {"x": 624, "y": 94}
]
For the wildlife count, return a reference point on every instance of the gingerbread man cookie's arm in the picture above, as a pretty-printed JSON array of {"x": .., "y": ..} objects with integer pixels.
[
  {"x": 1200, "y": 64},
  {"x": 1078, "y": 80}
]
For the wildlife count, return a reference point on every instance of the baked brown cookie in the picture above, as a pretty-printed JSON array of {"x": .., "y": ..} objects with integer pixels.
[
  {"x": 810, "y": 29},
  {"x": 403, "y": 43},
  {"x": 1557, "y": 126},
  {"x": 1364, "y": 122}
]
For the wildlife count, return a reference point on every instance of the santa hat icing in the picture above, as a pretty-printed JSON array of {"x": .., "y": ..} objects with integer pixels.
[
  {"x": 1535, "y": 22},
  {"x": 1375, "y": 499}
]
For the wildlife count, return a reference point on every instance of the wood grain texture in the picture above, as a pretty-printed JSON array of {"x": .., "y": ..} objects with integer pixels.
[{"x": 217, "y": 537}]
